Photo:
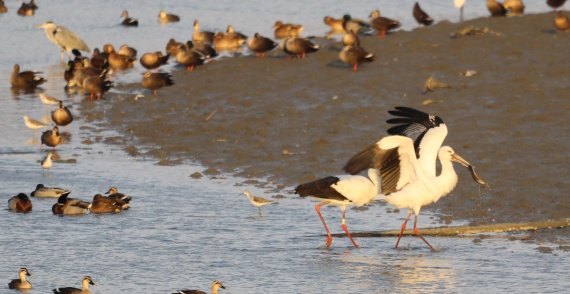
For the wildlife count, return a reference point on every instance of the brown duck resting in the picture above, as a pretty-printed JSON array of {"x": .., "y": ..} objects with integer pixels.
[
  {"x": 354, "y": 55},
  {"x": 286, "y": 30},
  {"x": 25, "y": 80},
  {"x": 157, "y": 80},
  {"x": 260, "y": 45},
  {"x": 299, "y": 47}
]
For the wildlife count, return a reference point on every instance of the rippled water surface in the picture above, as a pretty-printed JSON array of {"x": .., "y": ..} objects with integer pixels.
[{"x": 183, "y": 232}]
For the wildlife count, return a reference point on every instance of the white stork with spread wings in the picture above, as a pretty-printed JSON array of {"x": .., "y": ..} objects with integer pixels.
[{"x": 407, "y": 163}]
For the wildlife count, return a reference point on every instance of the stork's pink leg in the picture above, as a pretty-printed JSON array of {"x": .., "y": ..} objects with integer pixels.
[
  {"x": 345, "y": 229},
  {"x": 403, "y": 228},
  {"x": 329, "y": 237},
  {"x": 418, "y": 234}
]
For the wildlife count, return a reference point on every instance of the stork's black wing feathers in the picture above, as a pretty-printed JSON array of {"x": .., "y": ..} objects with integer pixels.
[
  {"x": 412, "y": 123},
  {"x": 320, "y": 189}
]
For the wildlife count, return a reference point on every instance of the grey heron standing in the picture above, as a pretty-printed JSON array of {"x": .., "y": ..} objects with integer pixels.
[{"x": 65, "y": 39}]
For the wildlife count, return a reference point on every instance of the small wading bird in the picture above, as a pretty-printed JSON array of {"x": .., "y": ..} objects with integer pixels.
[
  {"x": 215, "y": 286},
  {"x": 65, "y": 39},
  {"x": 459, "y": 4},
  {"x": 20, "y": 203},
  {"x": 33, "y": 124},
  {"x": 47, "y": 163},
  {"x": 408, "y": 166},
  {"x": 421, "y": 16},
  {"x": 48, "y": 100},
  {"x": 342, "y": 191},
  {"x": 257, "y": 201},
  {"x": 72, "y": 290},
  {"x": 21, "y": 283}
]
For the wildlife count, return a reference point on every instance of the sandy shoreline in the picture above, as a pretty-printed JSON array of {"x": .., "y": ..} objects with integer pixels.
[{"x": 296, "y": 120}]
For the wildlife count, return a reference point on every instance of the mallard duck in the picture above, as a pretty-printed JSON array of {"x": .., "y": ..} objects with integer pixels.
[
  {"x": 164, "y": 17},
  {"x": 70, "y": 206},
  {"x": 20, "y": 203},
  {"x": 421, "y": 16},
  {"x": 157, "y": 80},
  {"x": 71, "y": 290},
  {"x": 561, "y": 21},
  {"x": 225, "y": 42},
  {"x": 555, "y": 4},
  {"x": 3, "y": 8},
  {"x": 299, "y": 47},
  {"x": 129, "y": 52},
  {"x": 215, "y": 286},
  {"x": 51, "y": 137},
  {"x": 382, "y": 24},
  {"x": 201, "y": 36},
  {"x": 190, "y": 58},
  {"x": 49, "y": 192},
  {"x": 514, "y": 7},
  {"x": 116, "y": 60},
  {"x": 61, "y": 116},
  {"x": 153, "y": 60},
  {"x": 286, "y": 30},
  {"x": 257, "y": 201},
  {"x": 127, "y": 21},
  {"x": 21, "y": 283},
  {"x": 102, "y": 204},
  {"x": 33, "y": 124},
  {"x": 260, "y": 44},
  {"x": 353, "y": 55},
  {"x": 25, "y": 80},
  {"x": 48, "y": 100},
  {"x": 64, "y": 38},
  {"x": 496, "y": 8},
  {"x": 113, "y": 193},
  {"x": 27, "y": 9},
  {"x": 47, "y": 163}
]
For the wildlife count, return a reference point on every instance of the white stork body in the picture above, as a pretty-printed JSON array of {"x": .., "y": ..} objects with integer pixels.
[
  {"x": 342, "y": 191},
  {"x": 407, "y": 163}
]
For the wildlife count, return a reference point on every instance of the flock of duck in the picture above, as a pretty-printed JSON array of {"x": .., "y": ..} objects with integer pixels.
[{"x": 401, "y": 160}]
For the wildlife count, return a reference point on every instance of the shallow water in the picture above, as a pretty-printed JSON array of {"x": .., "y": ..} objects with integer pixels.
[{"x": 183, "y": 232}]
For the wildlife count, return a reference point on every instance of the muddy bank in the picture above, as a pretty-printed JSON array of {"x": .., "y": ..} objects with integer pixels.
[{"x": 293, "y": 120}]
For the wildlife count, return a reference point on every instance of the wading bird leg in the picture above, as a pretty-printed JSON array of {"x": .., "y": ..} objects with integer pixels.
[
  {"x": 355, "y": 68},
  {"x": 345, "y": 229},
  {"x": 403, "y": 228},
  {"x": 155, "y": 92},
  {"x": 329, "y": 237},
  {"x": 418, "y": 234}
]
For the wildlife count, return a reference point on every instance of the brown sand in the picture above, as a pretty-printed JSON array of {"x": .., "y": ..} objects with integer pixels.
[{"x": 294, "y": 120}]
